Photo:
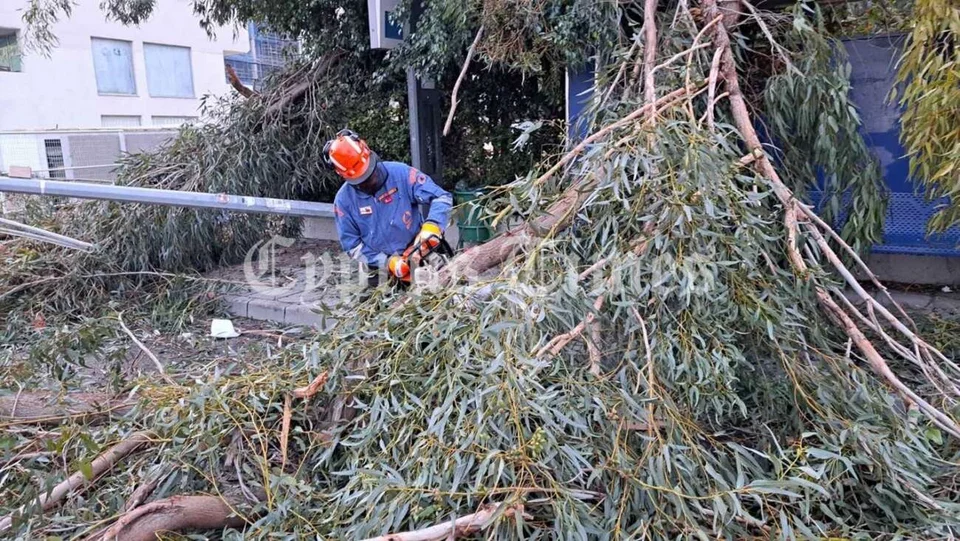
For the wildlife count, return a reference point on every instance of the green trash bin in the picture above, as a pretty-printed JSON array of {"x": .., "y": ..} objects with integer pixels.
[{"x": 473, "y": 229}]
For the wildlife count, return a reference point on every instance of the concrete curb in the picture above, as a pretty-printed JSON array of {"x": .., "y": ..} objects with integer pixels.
[
  {"x": 937, "y": 302},
  {"x": 276, "y": 311}
]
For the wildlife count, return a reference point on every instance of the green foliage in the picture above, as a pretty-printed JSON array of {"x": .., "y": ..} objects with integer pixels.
[
  {"x": 726, "y": 406},
  {"x": 39, "y": 16},
  {"x": 822, "y": 136},
  {"x": 868, "y": 17},
  {"x": 535, "y": 37},
  {"x": 723, "y": 403},
  {"x": 929, "y": 77}
]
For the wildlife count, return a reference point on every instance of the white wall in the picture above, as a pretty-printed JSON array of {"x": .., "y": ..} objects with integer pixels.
[{"x": 61, "y": 91}]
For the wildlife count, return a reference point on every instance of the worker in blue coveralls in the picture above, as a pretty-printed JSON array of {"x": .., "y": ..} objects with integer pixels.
[{"x": 377, "y": 209}]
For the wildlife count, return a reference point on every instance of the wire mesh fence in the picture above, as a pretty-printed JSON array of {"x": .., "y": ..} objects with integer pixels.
[{"x": 76, "y": 154}]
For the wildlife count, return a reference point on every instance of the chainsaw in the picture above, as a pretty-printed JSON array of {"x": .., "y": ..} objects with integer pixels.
[{"x": 425, "y": 257}]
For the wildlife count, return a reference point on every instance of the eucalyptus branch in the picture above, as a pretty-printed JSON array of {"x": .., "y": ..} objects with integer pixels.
[
  {"x": 793, "y": 208},
  {"x": 464, "y": 525},
  {"x": 98, "y": 467},
  {"x": 456, "y": 86},
  {"x": 146, "y": 350},
  {"x": 650, "y": 57}
]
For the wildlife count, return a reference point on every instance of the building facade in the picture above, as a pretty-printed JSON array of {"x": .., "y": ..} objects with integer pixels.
[{"x": 107, "y": 75}]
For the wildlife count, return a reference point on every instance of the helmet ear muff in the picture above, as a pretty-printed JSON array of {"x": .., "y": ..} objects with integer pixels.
[{"x": 326, "y": 153}]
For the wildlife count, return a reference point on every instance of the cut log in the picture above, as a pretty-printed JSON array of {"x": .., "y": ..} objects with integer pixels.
[
  {"x": 48, "y": 407},
  {"x": 174, "y": 514}
]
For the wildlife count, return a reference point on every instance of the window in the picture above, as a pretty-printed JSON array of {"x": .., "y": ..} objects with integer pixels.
[
  {"x": 9, "y": 50},
  {"x": 54, "y": 150},
  {"x": 171, "y": 120},
  {"x": 169, "y": 73},
  {"x": 119, "y": 121},
  {"x": 113, "y": 63}
]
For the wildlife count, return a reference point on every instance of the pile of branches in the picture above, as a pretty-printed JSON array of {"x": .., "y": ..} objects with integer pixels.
[
  {"x": 260, "y": 144},
  {"x": 668, "y": 350}
]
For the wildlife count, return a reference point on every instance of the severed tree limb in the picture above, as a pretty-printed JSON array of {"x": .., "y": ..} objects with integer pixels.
[
  {"x": 649, "y": 57},
  {"x": 314, "y": 387},
  {"x": 463, "y": 526},
  {"x": 142, "y": 492},
  {"x": 146, "y": 350},
  {"x": 320, "y": 68},
  {"x": 177, "y": 513},
  {"x": 98, "y": 467},
  {"x": 463, "y": 74},
  {"x": 238, "y": 86}
]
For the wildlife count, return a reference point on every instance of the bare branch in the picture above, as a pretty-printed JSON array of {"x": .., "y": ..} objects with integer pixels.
[
  {"x": 99, "y": 465},
  {"x": 649, "y": 57},
  {"x": 314, "y": 387},
  {"x": 456, "y": 86},
  {"x": 238, "y": 86},
  {"x": 465, "y": 525},
  {"x": 144, "y": 348},
  {"x": 712, "y": 89}
]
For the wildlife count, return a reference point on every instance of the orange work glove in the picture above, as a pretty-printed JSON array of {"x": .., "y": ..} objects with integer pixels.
[{"x": 399, "y": 267}]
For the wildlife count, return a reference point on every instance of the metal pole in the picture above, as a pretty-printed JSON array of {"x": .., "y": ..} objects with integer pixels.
[
  {"x": 173, "y": 198},
  {"x": 43, "y": 238},
  {"x": 55, "y": 237}
]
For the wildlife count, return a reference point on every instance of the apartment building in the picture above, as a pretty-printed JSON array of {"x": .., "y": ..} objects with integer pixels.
[{"x": 104, "y": 74}]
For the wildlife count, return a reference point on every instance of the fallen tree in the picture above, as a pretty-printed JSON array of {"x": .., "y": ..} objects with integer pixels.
[{"x": 666, "y": 352}]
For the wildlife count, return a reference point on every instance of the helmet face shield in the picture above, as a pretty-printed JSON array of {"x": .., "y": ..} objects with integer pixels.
[{"x": 375, "y": 181}]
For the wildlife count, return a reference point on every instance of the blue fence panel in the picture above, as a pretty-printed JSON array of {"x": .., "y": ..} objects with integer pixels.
[
  {"x": 873, "y": 62},
  {"x": 580, "y": 87}
]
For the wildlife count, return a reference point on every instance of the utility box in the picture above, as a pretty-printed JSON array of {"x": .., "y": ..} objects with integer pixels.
[{"x": 385, "y": 31}]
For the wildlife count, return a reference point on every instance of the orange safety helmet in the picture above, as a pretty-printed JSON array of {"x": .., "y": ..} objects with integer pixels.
[{"x": 351, "y": 157}]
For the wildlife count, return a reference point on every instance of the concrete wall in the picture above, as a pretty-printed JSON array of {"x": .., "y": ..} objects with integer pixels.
[{"x": 61, "y": 91}]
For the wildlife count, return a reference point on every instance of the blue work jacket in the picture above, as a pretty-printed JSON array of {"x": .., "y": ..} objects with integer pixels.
[{"x": 374, "y": 227}]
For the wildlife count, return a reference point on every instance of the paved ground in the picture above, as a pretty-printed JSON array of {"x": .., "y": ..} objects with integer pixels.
[{"x": 289, "y": 284}]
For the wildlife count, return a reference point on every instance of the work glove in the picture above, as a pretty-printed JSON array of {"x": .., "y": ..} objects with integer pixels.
[
  {"x": 430, "y": 234},
  {"x": 399, "y": 267},
  {"x": 429, "y": 231}
]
